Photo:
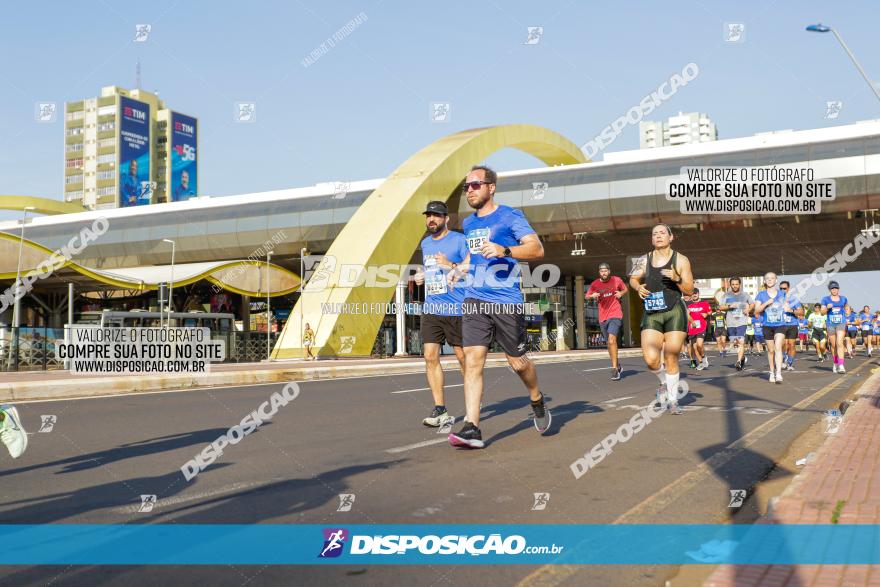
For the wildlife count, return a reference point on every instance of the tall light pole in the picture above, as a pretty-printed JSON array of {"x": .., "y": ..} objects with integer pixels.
[
  {"x": 303, "y": 253},
  {"x": 16, "y": 307},
  {"x": 171, "y": 286},
  {"x": 268, "y": 308},
  {"x": 821, "y": 28}
]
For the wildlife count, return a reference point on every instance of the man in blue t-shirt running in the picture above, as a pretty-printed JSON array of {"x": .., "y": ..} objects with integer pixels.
[
  {"x": 443, "y": 251},
  {"x": 497, "y": 236}
]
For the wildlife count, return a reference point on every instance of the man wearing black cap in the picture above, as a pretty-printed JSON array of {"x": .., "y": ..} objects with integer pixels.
[
  {"x": 607, "y": 291},
  {"x": 443, "y": 251}
]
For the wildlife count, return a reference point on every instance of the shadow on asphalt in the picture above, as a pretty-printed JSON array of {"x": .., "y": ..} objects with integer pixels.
[
  {"x": 249, "y": 506},
  {"x": 562, "y": 414},
  {"x": 131, "y": 450}
]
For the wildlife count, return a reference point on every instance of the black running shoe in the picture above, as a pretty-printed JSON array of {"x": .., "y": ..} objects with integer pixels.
[
  {"x": 468, "y": 437},
  {"x": 617, "y": 372},
  {"x": 542, "y": 416},
  {"x": 693, "y": 364},
  {"x": 738, "y": 366}
]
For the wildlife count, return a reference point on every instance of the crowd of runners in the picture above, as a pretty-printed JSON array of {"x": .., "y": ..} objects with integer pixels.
[{"x": 473, "y": 300}]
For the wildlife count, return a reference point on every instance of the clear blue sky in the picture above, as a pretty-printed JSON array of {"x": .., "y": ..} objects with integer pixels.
[{"x": 363, "y": 107}]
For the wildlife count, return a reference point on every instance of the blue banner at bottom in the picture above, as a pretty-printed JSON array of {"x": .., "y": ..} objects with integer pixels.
[{"x": 267, "y": 544}]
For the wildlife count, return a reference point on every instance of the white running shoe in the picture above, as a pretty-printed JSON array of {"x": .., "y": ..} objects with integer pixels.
[
  {"x": 834, "y": 368},
  {"x": 705, "y": 362},
  {"x": 772, "y": 377},
  {"x": 12, "y": 433},
  {"x": 840, "y": 369},
  {"x": 779, "y": 377}
]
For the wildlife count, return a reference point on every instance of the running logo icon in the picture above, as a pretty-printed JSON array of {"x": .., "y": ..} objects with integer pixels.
[
  {"x": 734, "y": 32},
  {"x": 346, "y": 500},
  {"x": 737, "y": 497},
  {"x": 440, "y": 112},
  {"x": 539, "y": 189},
  {"x": 346, "y": 344},
  {"x": 45, "y": 111},
  {"x": 142, "y": 32},
  {"x": 832, "y": 109},
  {"x": 47, "y": 423},
  {"x": 541, "y": 500},
  {"x": 534, "y": 35},
  {"x": 148, "y": 502},
  {"x": 334, "y": 542}
]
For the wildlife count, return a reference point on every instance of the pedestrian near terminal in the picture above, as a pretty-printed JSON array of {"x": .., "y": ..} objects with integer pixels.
[
  {"x": 698, "y": 316},
  {"x": 865, "y": 320},
  {"x": 443, "y": 251},
  {"x": 770, "y": 304},
  {"x": 738, "y": 306},
  {"x": 852, "y": 330},
  {"x": 833, "y": 305},
  {"x": 667, "y": 277},
  {"x": 790, "y": 324},
  {"x": 308, "y": 341},
  {"x": 607, "y": 291},
  {"x": 498, "y": 237},
  {"x": 817, "y": 321}
]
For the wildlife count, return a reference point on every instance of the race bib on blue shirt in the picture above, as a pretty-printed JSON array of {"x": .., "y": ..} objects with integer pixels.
[{"x": 476, "y": 239}]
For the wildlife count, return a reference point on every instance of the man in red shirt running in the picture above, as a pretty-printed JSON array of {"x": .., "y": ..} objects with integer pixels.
[
  {"x": 698, "y": 312},
  {"x": 608, "y": 290}
]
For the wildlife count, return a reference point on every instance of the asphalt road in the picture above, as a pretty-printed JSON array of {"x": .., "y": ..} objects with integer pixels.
[{"x": 364, "y": 437}]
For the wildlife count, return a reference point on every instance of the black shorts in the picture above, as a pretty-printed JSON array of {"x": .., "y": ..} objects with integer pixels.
[
  {"x": 852, "y": 333},
  {"x": 818, "y": 334},
  {"x": 791, "y": 332},
  {"x": 485, "y": 322},
  {"x": 439, "y": 329},
  {"x": 770, "y": 332}
]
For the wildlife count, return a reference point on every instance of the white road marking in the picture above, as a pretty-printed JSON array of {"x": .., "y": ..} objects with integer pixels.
[
  {"x": 425, "y": 388},
  {"x": 398, "y": 449},
  {"x": 598, "y": 369},
  {"x": 169, "y": 501},
  {"x": 618, "y": 399}
]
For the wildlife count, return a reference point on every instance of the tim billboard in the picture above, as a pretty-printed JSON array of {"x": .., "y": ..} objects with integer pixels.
[
  {"x": 184, "y": 163},
  {"x": 135, "y": 187}
]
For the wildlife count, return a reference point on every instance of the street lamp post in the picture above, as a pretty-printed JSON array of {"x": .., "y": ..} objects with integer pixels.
[
  {"x": 268, "y": 308},
  {"x": 303, "y": 252},
  {"x": 171, "y": 285},
  {"x": 821, "y": 28},
  {"x": 16, "y": 307}
]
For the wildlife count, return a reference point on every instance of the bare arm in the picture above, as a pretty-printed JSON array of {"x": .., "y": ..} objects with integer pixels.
[{"x": 683, "y": 269}]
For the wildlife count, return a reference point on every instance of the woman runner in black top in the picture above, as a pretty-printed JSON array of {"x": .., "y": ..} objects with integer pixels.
[{"x": 667, "y": 276}]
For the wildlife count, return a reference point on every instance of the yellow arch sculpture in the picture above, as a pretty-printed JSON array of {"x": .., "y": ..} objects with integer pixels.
[
  {"x": 388, "y": 226},
  {"x": 40, "y": 205}
]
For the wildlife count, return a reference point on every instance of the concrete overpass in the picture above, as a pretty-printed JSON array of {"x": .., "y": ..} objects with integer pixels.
[{"x": 613, "y": 202}]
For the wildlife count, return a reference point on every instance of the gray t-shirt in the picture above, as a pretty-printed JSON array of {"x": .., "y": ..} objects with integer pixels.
[{"x": 739, "y": 302}]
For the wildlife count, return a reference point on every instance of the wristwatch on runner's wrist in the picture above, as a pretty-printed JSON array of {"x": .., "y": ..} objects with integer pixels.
[{"x": 507, "y": 252}]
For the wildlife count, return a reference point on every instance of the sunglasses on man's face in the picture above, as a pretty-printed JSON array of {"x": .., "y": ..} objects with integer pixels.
[{"x": 474, "y": 185}]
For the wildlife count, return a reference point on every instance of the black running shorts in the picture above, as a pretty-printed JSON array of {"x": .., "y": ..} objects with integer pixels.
[
  {"x": 440, "y": 329},
  {"x": 485, "y": 322}
]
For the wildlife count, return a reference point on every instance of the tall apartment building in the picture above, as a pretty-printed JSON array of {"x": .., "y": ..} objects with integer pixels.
[
  {"x": 683, "y": 129},
  {"x": 126, "y": 148}
]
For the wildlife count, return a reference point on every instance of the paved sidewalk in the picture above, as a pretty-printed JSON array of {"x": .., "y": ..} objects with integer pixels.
[
  {"x": 846, "y": 469},
  {"x": 43, "y": 385}
]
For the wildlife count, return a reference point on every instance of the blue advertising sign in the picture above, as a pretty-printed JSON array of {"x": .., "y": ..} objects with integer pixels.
[
  {"x": 135, "y": 184},
  {"x": 184, "y": 166}
]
